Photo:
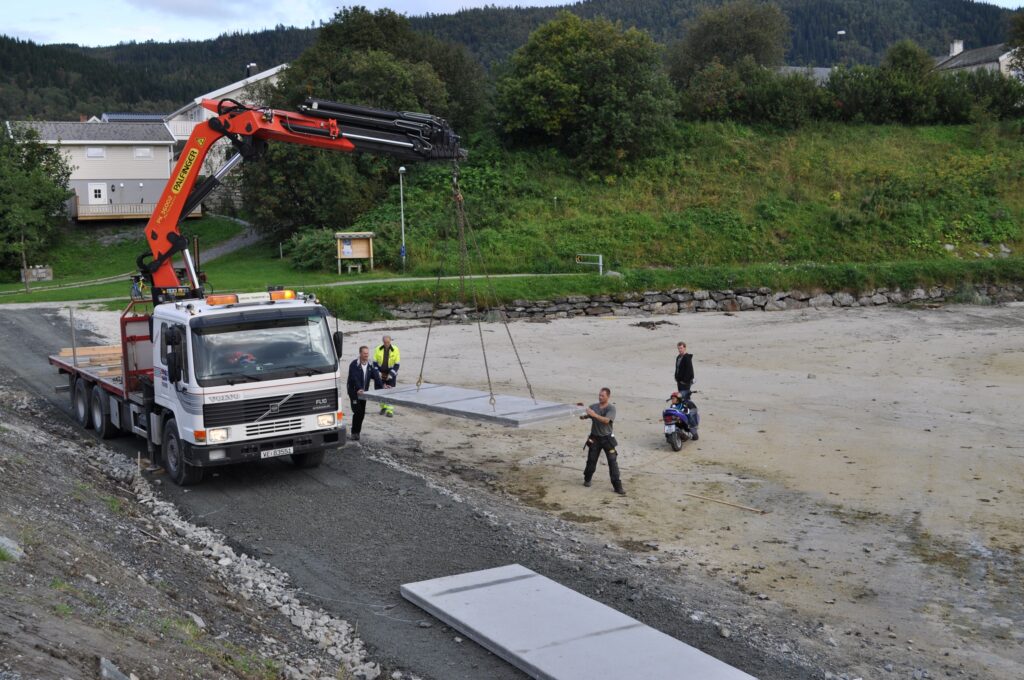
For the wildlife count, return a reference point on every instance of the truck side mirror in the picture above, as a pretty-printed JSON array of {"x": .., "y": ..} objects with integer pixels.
[
  {"x": 173, "y": 367},
  {"x": 338, "y": 342}
]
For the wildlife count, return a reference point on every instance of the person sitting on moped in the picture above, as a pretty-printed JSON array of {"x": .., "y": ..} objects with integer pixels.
[{"x": 688, "y": 411}]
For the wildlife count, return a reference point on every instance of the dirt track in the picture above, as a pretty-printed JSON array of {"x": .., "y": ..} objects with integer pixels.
[{"x": 884, "y": 444}]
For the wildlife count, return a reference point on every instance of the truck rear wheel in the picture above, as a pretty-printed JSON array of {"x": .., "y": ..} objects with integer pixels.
[
  {"x": 100, "y": 409},
  {"x": 180, "y": 472},
  {"x": 308, "y": 460},
  {"x": 80, "y": 403}
]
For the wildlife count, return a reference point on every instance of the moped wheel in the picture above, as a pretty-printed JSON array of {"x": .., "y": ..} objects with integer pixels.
[{"x": 675, "y": 440}]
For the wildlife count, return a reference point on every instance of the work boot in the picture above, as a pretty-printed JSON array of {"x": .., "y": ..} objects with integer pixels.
[
  {"x": 586, "y": 482},
  {"x": 694, "y": 435},
  {"x": 619, "y": 490}
]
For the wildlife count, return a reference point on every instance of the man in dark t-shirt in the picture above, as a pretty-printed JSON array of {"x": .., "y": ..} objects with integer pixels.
[{"x": 602, "y": 416}]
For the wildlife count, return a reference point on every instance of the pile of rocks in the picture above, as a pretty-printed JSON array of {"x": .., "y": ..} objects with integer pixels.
[{"x": 679, "y": 300}]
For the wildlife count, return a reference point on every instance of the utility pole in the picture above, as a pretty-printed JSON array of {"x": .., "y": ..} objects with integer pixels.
[
  {"x": 24, "y": 261},
  {"x": 401, "y": 202}
]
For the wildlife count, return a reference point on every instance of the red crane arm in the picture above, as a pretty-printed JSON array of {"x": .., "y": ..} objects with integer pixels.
[{"x": 322, "y": 124}]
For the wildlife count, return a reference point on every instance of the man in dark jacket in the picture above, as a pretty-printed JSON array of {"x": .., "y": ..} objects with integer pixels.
[
  {"x": 360, "y": 374},
  {"x": 684, "y": 371}
]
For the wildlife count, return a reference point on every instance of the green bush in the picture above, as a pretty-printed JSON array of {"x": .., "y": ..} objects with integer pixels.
[
  {"x": 312, "y": 250},
  {"x": 902, "y": 91},
  {"x": 784, "y": 100}
]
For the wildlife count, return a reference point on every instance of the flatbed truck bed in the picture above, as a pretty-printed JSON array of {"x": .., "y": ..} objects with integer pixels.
[{"x": 100, "y": 364}]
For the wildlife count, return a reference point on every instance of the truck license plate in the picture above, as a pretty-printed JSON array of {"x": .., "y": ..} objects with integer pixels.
[
  {"x": 669, "y": 429},
  {"x": 274, "y": 453}
]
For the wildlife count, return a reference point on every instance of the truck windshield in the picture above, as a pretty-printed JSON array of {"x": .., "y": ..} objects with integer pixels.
[{"x": 268, "y": 349}]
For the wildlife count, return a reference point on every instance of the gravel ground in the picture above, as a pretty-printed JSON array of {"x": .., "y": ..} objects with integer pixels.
[
  {"x": 96, "y": 567},
  {"x": 347, "y": 535},
  {"x": 885, "y": 444}
]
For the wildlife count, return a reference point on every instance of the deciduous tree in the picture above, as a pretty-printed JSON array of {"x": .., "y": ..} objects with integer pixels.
[
  {"x": 728, "y": 34},
  {"x": 595, "y": 91},
  {"x": 34, "y": 186},
  {"x": 359, "y": 58}
]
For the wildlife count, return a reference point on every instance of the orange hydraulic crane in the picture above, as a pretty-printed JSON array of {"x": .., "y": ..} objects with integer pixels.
[{"x": 323, "y": 124}]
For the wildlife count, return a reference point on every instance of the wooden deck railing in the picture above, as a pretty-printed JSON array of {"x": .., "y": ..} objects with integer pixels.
[{"x": 120, "y": 211}]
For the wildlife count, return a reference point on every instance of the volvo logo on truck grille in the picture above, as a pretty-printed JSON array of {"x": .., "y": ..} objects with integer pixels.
[{"x": 274, "y": 408}]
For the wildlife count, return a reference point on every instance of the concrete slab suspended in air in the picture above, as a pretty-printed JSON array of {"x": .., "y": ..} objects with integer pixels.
[
  {"x": 460, "y": 402},
  {"x": 552, "y": 632}
]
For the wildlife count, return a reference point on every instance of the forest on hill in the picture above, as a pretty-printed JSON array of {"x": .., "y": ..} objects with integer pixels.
[
  {"x": 63, "y": 82},
  {"x": 492, "y": 33},
  {"x": 66, "y": 81}
]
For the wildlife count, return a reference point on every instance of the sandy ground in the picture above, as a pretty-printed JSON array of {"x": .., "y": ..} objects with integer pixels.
[{"x": 885, "y": 445}]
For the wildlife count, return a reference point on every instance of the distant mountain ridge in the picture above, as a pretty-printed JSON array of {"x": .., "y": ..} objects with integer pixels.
[{"x": 67, "y": 81}]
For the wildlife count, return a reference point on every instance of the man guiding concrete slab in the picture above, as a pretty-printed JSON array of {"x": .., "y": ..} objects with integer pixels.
[{"x": 602, "y": 415}]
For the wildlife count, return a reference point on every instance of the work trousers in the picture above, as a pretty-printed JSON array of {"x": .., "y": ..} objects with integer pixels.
[
  {"x": 607, "y": 445},
  {"x": 358, "y": 413},
  {"x": 389, "y": 382}
]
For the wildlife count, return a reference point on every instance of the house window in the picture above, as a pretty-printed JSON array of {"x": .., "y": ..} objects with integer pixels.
[
  {"x": 95, "y": 152},
  {"x": 143, "y": 153},
  {"x": 97, "y": 194}
]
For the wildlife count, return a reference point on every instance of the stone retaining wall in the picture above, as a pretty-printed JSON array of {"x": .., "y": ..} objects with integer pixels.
[{"x": 681, "y": 300}]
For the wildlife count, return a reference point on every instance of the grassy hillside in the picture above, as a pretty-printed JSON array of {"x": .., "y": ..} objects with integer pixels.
[
  {"x": 723, "y": 194},
  {"x": 830, "y": 206},
  {"x": 85, "y": 252}
]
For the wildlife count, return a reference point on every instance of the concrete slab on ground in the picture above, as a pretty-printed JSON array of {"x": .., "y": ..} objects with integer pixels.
[
  {"x": 509, "y": 411},
  {"x": 552, "y": 632}
]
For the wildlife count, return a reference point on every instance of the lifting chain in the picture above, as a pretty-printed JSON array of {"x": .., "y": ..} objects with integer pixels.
[{"x": 464, "y": 230}]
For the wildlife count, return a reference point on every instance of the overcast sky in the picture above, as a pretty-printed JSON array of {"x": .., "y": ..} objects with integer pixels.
[{"x": 108, "y": 22}]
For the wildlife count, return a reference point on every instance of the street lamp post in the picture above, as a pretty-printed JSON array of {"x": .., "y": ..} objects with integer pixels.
[{"x": 401, "y": 203}]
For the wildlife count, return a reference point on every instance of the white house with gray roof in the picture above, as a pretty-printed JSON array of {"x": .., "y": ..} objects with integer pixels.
[
  {"x": 991, "y": 58},
  {"x": 118, "y": 170}
]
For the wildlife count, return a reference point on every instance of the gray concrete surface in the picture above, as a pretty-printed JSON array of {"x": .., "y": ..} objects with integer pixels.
[
  {"x": 459, "y": 402},
  {"x": 554, "y": 633}
]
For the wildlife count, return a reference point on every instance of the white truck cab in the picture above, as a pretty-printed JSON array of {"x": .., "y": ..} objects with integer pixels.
[{"x": 244, "y": 377}]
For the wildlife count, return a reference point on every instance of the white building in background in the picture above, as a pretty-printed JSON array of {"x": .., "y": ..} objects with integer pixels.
[
  {"x": 245, "y": 91},
  {"x": 991, "y": 58},
  {"x": 118, "y": 170}
]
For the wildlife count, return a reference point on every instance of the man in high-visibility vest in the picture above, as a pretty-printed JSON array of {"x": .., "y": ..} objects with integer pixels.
[{"x": 385, "y": 360}]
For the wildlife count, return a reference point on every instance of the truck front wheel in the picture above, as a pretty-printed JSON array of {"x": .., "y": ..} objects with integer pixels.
[
  {"x": 80, "y": 403},
  {"x": 178, "y": 470}
]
